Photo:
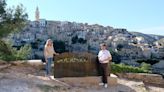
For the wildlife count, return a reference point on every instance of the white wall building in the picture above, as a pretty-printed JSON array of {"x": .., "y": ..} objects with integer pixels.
[{"x": 42, "y": 22}]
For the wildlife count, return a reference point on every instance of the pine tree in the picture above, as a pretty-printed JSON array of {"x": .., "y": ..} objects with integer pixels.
[{"x": 11, "y": 20}]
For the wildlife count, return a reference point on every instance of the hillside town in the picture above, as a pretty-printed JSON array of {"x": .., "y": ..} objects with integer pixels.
[
  {"x": 83, "y": 37},
  {"x": 63, "y": 46}
]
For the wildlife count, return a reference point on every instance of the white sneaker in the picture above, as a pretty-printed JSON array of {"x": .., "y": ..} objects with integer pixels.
[
  {"x": 105, "y": 85},
  {"x": 101, "y": 84}
]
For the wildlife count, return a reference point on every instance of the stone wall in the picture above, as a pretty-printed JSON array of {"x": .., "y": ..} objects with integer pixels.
[{"x": 74, "y": 68}]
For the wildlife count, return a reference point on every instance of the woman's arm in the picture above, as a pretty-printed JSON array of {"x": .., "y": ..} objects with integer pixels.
[
  {"x": 56, "y": 53},
  {"x": 108, "y": 59}
]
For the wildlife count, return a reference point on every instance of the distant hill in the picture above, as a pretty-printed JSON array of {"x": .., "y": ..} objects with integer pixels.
[{"x": 148, "y": 37}]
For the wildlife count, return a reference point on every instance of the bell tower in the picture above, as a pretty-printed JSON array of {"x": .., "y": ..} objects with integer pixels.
[{"x": 37, "y": 14}]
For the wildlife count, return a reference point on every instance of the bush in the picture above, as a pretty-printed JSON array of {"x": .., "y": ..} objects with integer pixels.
[
  {"x": 15, "y": 54},
  {"x": 71, "y": 60},
  {"x": 82, "y": 41},
  {"x": 145, "y": 66},
  {"x": 70, "y": 56},
  {"x": 121, "y": 68},
  {"x": 75, "y": 40},
  {"x": 115, "y": 56},
  {"x": 119, "y": 47},
  {"x": 59, "y": 46},
  {"x": 34, "y": 45}
]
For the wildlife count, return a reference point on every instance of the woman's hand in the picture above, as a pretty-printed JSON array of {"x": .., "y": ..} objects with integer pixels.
[
  {"x": 57, "y": 53},
  {"x": 100, "y": 60}
]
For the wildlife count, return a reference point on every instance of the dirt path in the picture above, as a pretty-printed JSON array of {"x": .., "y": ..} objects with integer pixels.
[{"x": 24, "y": 78}]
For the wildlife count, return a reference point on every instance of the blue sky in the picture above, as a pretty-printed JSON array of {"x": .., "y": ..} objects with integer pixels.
[{"x": 146, "y": 16}]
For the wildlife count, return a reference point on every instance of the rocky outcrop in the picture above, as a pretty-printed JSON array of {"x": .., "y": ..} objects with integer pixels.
[
  {"x": 160, "y": 64},
  {"x": 148, "y": 78},
  {"x": 158, "y": 67}
]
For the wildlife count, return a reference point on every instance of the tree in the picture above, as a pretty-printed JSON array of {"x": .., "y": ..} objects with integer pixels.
[
  {"x": 59, "y": 46},
  {"x": 74, "y": 39},
  {"x": 21, "y": 54},
  {"x": 82, "y": 41},
  {"x": 119, "y": 47},
  {"x": 34, "y": 45},
  {"x": 115, "y": 56},
  {"x": 11, "y": 20}
]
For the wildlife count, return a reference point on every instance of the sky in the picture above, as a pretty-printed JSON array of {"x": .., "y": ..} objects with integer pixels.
[{"x": 146, "y": 16}]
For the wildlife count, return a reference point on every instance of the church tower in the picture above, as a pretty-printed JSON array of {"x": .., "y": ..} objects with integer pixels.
[{"x": 37, "y": 14}]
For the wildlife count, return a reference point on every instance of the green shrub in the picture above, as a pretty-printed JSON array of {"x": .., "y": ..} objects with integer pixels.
[
  {"x": 145, "y": 66},
  {"x": 121, "y": 68},
  {"x": 21, "y": 54}
]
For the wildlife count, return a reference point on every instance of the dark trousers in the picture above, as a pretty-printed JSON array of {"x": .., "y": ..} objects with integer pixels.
[{"x": 104, "y": 72}]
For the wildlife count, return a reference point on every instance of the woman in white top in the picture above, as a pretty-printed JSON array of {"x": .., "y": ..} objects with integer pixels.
[
  {"x": 48, "y": 54},
  {"x": 104, "y": 57}
]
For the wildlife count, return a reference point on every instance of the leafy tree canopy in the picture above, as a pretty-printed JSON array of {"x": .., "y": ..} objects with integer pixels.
[{"x": 11, "y": 19}]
